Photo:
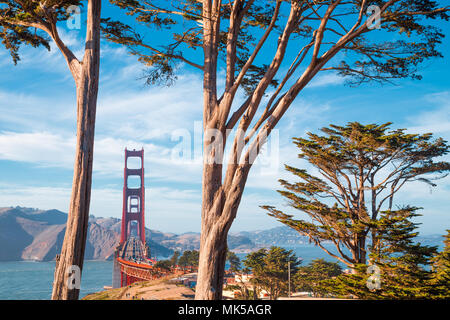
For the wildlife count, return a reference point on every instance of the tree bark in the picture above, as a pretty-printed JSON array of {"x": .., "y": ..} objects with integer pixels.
[
  {"x": 72, "y": 253},
  {"x": 216, "y": 222},
  {"x": 211, "y": 262}
]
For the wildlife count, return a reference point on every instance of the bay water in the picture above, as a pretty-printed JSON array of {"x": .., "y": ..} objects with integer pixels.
[{"x": 26, "y": 280}]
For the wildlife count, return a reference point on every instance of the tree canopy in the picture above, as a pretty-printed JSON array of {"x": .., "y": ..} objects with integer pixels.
[
  {"x": 168, "y": 263},
  {"x": 270, "y": 269},
  {"x": 234, "y": 261},
  {"x": 35, "y": 23},
  {"x": 320, "y": 26},
  {"x": 402, "y": 264},
  {"x": 360, "y": 170},
  {"x": 189, "y": 258},
  {"x": 440, "y": 280},
  {"x": 309, "y": 278}
]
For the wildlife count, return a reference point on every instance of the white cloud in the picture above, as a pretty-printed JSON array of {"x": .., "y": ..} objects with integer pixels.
[
  {"x": 151, "y": 112},
  {"x": 436, "y": 118},
  {"x": 327, "y": 79},
  {"x": 24, "y": 111},
  {"x": 41, "y": 148},
  {"x": 53, "y": 150},
  {"x": 34, "y": 197}
]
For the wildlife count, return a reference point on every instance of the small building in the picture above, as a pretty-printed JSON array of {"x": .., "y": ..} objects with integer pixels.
[{"x": 188, "y": 280}]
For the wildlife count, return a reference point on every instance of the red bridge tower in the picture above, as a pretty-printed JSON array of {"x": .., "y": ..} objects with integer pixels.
[
  {"x": 133, "y": 199},
  {"x": 131, "y": 262}
]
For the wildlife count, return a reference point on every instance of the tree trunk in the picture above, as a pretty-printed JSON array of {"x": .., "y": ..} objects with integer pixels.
[
  {"x": 359, "y": 253},
  {"x": 211, "y": 263},
  {"x": 72, "y": 253},
  {"x": 217, "y": 217}
]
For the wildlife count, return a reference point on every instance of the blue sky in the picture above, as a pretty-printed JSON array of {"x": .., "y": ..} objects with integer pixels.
[{"x": 37, "y": 135}]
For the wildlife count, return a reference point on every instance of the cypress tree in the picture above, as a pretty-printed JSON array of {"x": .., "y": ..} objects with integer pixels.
[
  {"x": 360, "y": 169},
  {"x": 440, "y": 281},
  {"x": 234, "y": 261},
  {"x": 401, "y": 267},
  {"x": 37, "y": 23},
  {"x": 310, "y": 278},
  {"x": 270, "y": 269}
]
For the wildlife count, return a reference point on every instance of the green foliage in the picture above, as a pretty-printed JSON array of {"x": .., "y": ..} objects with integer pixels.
[
  {"x": 404, "y": 265},
  {"x": 419, "y": 44},
  {"x": 163, "y": 264},
  {"x": 402, "y": 261},
  {"x": 350, "y": 285},
  {"x": 310, "y": 278},
  {"x": 189, "y": 259},
  {"x": 234, "y": 261},
  {"x": 367, "y": 58},
  {"x": 174, "y": 259},
  {"x": 270, "y": 269},
  {"x": 169, "y": 263},
  {"x": 440, "y": 280},
  {"x": 30, "y": 22},
  {"x": 361, "y": 169},
  {"x": 163, "y": 60}
]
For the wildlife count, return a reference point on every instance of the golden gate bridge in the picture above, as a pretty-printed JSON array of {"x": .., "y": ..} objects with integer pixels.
[{"x": 131, "y": 258}]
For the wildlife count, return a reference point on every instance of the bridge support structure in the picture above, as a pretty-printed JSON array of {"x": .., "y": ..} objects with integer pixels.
[
  {"x": 133, "y": 222},
  {"x": 133, "y": 199},
  {"x": 131, "y": 258}
]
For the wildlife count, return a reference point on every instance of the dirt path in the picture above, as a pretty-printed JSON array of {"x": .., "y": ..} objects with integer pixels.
[{"x": 161, "y": 289}]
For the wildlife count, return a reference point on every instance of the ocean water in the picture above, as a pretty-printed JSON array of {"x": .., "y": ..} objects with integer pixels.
[
  {"x": 23, "y": 280},
  {"x": 308, "y": 252}
]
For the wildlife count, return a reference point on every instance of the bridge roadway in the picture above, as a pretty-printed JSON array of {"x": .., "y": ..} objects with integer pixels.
[
  {"x": 134, "y": 250},
  {"x": 131, "y": 265},
  {"x": 134, "y": 263}
]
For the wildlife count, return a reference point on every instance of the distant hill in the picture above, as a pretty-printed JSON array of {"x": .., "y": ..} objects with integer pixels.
[
  {"x": 277, "y": 236},
  {"x": 285, "y": 236},
  {"x": 33, "y": 234}
]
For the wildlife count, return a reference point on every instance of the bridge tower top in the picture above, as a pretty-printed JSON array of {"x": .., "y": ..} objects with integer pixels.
[{"x": 133, "y": 209}]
